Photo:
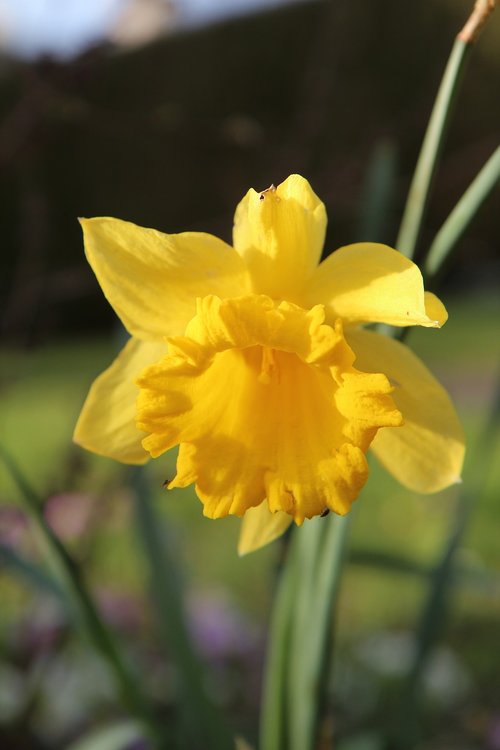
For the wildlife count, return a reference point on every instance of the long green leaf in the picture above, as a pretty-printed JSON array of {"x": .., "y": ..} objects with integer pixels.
[
  {"x": 433, "y": 616},
  {"x": 418, "y": 195},
  {"x": 208, "y": 730},
  {"x": 376, "y": 196},
  {"x": 34, "y": 574},
  {"x": 83, "y": 607},
  {"x": 462, "y": 215},
  {"x": 118, "y": 736},
  {"x": 467, "y": 575}
]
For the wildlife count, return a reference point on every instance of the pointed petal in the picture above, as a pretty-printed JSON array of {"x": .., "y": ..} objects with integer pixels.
[
  {"x": 107, "y": 421},
  {"x": 152, "y": 279},
  {"x": 435, "y": 309},
  {"x": 426, "y": 453},
  {"x": 260, "y": 527},
  {"x": 369, "y": 282},
  {"x": 280, "y": 234}
]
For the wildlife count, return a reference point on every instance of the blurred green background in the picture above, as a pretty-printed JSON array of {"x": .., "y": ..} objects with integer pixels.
[{"x": 171, "y": 134}]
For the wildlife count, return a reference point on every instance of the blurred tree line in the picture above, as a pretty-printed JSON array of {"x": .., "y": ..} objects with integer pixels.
[{"x": 172, "y": 135}]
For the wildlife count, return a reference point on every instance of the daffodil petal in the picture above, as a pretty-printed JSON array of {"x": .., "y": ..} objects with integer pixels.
[
  {"x": 152, "y": 279},
  {"x": 280, "y": 234},
  {"x": 260, "y": 527},
  {"x": 265, "y": 404},
  {"x": 435, "y": 309},
  {"x": 426, "y": 453},
  {"x": 107, "y": 421},
  {"x": 369, "y": 282}
]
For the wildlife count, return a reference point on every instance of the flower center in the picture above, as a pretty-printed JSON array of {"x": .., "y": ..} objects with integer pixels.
[
  {"x": 269, "y": 368},
  {"x": 265, "y": 404}
]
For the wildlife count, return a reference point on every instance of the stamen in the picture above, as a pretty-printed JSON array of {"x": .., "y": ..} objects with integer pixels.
[
  {"x": 271, "y": 190},
  {"x": 268, "y": 366}
]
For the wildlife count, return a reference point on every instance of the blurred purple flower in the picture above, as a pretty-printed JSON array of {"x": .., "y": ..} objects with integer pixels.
[
  {"x": 140, "y": 744},
  {"x": 13, "y": 526},
  {"x": 40, "y": 629},
  {"x": 121, "y": 610},
  {"x": 493, "y": 741},
  {"x": 219, "y": 629},
  {"x": 69, "y": 514}
]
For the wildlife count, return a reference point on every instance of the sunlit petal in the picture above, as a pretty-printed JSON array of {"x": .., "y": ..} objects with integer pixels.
[
  {"x": 152, "y": 279},
  {"x": 426, "y": 453},
  {"x": 260, "y": 527},
  {"x": 107, "y": 421},
  {"x": 435, "y": 309},
  {"x": 280, "y": 234},
  {"x": 369, "y": 282}
]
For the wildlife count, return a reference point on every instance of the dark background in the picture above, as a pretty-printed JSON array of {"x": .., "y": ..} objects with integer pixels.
[{"x": 173, "y": 134}]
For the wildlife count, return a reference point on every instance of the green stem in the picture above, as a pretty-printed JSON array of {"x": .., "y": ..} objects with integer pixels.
[
  {"x": 462, "y": 215},
  {"x": 301, "y": 682},
  {"x": 299, "y": 634},
  {"x": 418, "y": 195},
  {"x": 312, "y": 629},
  {"x": 273, "y": 728},
  {"x": 86, "y": 615}
]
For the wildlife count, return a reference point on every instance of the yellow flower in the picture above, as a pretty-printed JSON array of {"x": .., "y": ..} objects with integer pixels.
[{"x": 254, "y": 360}]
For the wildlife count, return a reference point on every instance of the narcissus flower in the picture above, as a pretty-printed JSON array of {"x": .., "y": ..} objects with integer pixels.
[{"x": 254, "y": 360}]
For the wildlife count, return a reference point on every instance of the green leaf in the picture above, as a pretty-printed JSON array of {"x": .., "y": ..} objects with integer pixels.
[
  {"x": 363, "y": 741},
  {"x": 116, "y": 737},
  {"x": 377, "y": 194},
  {"x": 209, "y": 729},
  {"x": 32, "y": 573},
  {"x": 462, "y": 215},
  {"x": 82, "y": 606},
  {"x": 418, "y": 194}
]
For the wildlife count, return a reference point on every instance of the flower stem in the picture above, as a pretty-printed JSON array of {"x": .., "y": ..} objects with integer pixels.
[
  {"x": 273, "y": 728},
  {"x": 316, "y": 600},
  {"x": 418, "y": 195},
  {"x": 299, "y": 635},
  {"x": 463, "y": 213}
]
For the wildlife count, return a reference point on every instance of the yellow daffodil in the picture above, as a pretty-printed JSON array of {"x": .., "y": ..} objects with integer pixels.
[{"x": 254, "y": 360}]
